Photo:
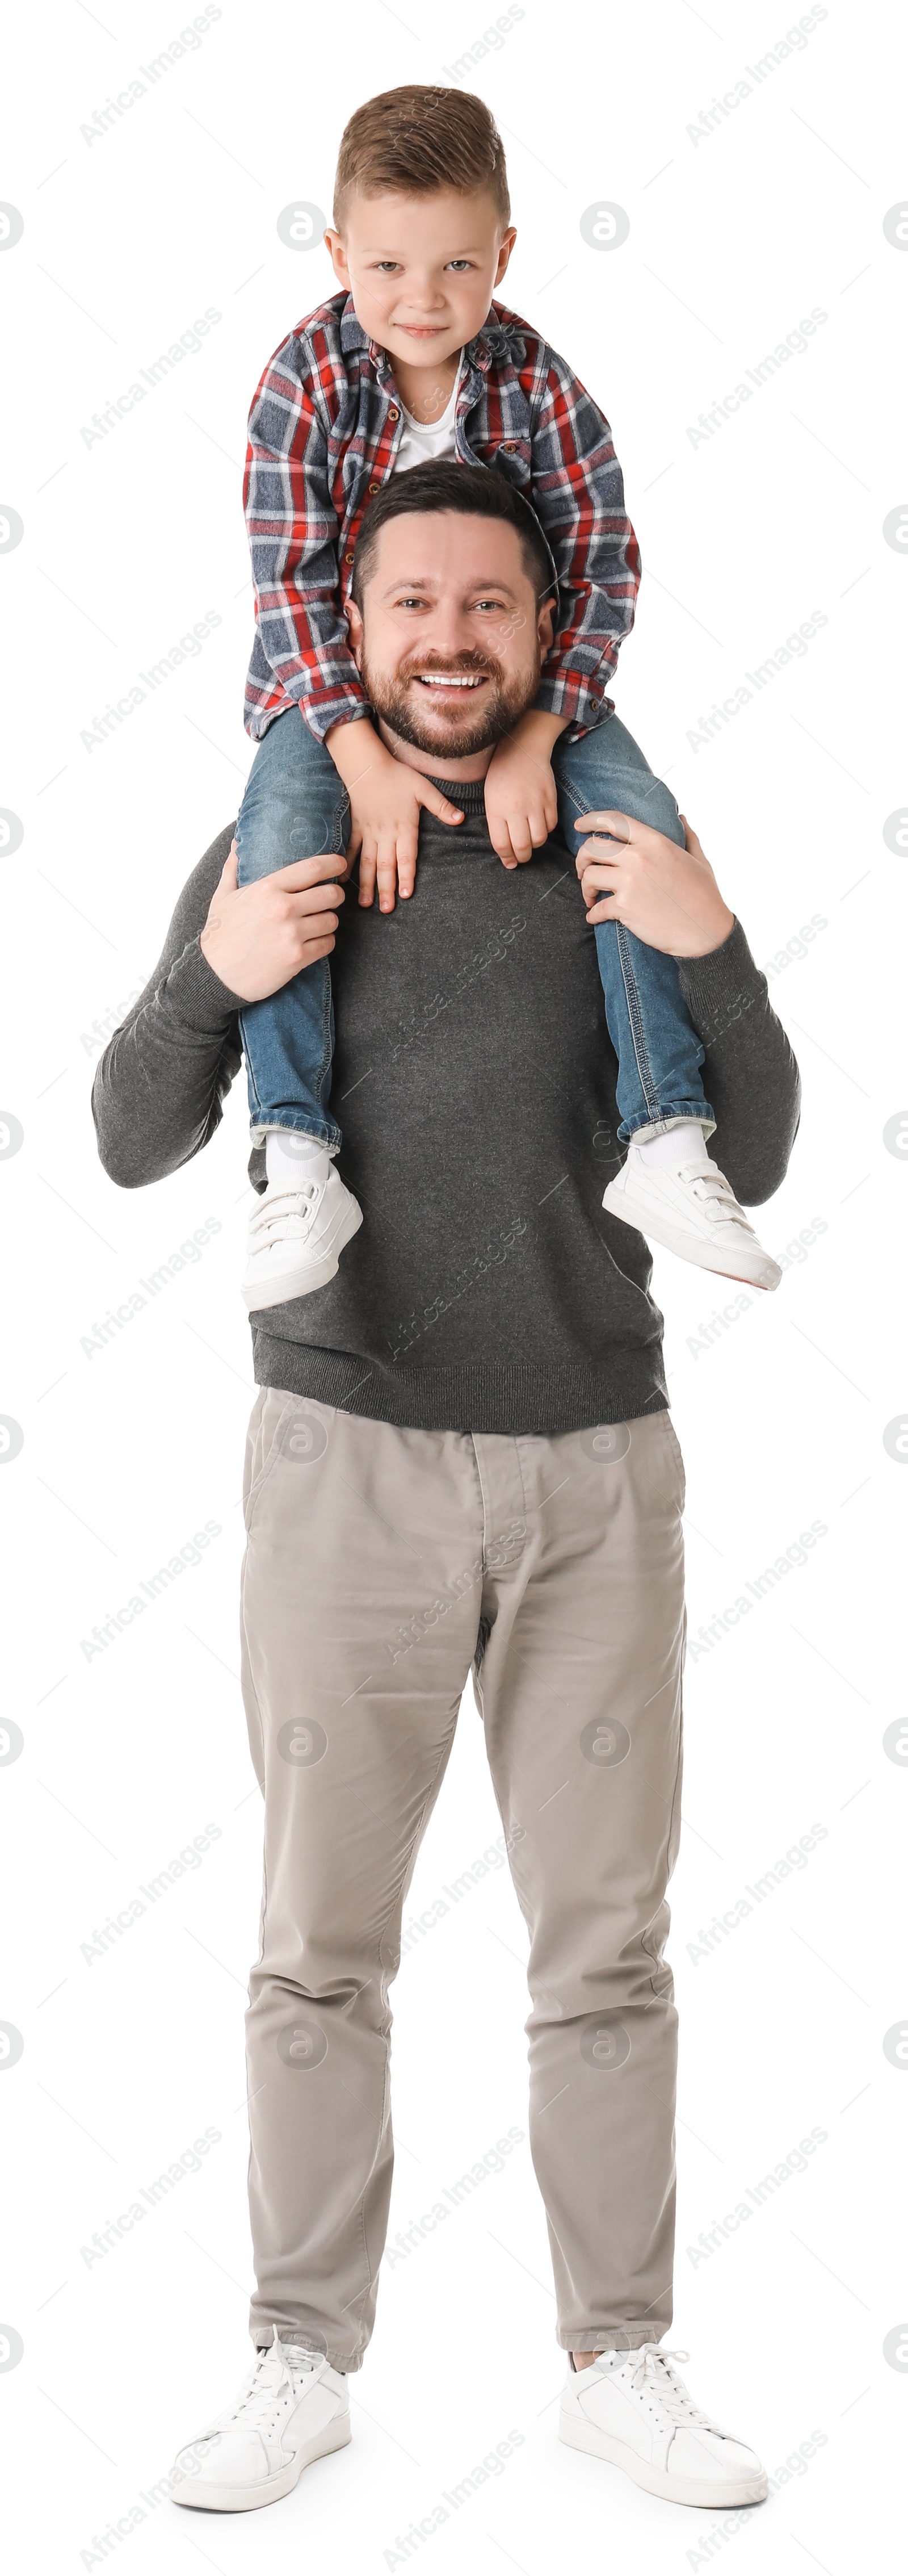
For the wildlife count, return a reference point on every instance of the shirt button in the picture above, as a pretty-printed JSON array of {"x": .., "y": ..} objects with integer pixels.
[
  {"x": 349, "y": 558},
  {"x": 374, "y": 487},
  {"x": 393, "y": 414}
]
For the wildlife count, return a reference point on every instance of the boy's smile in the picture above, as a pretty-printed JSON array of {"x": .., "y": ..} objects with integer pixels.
[{"x": 422, "y": 272}]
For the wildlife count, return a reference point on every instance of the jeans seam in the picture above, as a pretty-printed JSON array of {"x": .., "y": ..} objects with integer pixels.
[{"x": 644, "y": 1068}]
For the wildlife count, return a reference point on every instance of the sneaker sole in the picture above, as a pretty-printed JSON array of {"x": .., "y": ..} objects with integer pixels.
[
  {"x": 278, "y": 1292},
  {"x": 689, "y": 1246},
  {"x": 582, "y": 2436},
  {"x": 212, "y": 2499}
]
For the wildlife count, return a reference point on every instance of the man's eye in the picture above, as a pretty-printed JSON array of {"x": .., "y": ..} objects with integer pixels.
[
  {"x": 497, "y": 604},
  {"x": 411, "y": 601}
]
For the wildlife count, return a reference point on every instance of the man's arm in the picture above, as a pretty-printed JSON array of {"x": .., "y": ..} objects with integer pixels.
[
  {"x": 669, "y": 898},
  {"x": 750, "y": 1074},
  {"x": 160, "y": 1085},
  {"x": 158, "y": 1090}
]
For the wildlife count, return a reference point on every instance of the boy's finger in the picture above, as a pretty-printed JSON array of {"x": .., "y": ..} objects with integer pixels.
[
  {"x": 501, "y": 843},
  {"x": 386, "y": 872},
  {"x": 436, "y": 802},
  {"x": 367, "y": 875},
  {"x": 407, "y": 853}
]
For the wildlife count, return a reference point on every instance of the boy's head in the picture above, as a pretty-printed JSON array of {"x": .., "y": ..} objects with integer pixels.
[{"x": 422, "y": 232}]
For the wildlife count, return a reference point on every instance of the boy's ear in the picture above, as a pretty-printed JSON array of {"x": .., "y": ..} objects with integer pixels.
[
  {"x": 338, "y": 257},
  {"x": 505, "y": 248}
]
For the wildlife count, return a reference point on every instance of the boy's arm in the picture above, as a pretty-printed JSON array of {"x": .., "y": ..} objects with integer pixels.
[
  {"x": 577, "y": 492},
  {"x": 293, "y": 530}
]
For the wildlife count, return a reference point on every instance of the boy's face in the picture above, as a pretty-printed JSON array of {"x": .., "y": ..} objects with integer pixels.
[{"x": 421, "y": 270}]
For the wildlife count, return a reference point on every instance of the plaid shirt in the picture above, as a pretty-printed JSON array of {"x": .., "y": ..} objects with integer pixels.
[{"x": 323, "y": 433}]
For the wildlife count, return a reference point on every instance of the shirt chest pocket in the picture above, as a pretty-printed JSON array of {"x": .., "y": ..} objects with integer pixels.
[{"x": 511, "y": 457}]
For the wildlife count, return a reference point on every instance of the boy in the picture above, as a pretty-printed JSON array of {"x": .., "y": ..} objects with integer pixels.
[{"x": 414, "y": 360}]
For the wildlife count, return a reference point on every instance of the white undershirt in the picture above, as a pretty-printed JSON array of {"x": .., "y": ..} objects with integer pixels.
[{"x": 422, "y": 439}]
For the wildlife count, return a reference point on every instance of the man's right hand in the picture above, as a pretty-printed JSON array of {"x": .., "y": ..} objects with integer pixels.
[{"x": 257, "y": 937}]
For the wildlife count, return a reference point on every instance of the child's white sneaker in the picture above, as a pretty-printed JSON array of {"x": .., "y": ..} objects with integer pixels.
[
  {"x": 635, "y": 2411},
  {"x": 297, "y": 1229},
  {"x": 690, "y": 1208},
  {"x": 291, "y": 2410}
]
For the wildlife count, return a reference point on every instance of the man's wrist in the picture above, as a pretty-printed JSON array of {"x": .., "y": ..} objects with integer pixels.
[{"x": 714, "y": 935}]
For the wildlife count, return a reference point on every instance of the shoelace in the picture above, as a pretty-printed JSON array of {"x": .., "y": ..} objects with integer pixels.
[
  {"x": 719, "y": 1200},
  {"x": 259, "y": 2402},
  {"x": 655, "y": 2375},
  {"x": 270, "y": 1220}
]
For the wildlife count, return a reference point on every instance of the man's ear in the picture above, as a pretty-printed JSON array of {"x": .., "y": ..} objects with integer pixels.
[
  {"x": 355, "y": 632},
  {"x": 545, "y": 626}
]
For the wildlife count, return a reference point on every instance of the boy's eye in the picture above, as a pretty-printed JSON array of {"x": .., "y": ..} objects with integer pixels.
[
  {"x": 387, "y": 265},
  {"x": 460, "y": 263}
]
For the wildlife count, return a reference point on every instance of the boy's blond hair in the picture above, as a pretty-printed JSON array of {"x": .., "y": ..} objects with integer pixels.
[{"x": 416, "y": 141}]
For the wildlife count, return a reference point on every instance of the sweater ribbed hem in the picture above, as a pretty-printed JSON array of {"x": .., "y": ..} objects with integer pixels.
[{"x": 511, "y": 1399}]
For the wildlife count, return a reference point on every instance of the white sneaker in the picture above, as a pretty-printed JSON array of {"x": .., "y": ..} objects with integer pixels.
[
  {"x": 639, "y": 2415},
  {"x": 291, "y": 2410},
  {"x": 296, "y": 1232},
  {"x": 690, "y": 1208}
]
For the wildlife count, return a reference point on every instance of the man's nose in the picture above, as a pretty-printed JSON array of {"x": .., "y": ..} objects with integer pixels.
[{"x": 451, "y": 631}]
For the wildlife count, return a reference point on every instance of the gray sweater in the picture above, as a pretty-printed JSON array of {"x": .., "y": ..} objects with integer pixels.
[{"x": 474, "y": 1080}]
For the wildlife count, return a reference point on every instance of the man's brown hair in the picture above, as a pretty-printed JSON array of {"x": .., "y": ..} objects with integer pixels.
[{"x": 415, "y": 141}]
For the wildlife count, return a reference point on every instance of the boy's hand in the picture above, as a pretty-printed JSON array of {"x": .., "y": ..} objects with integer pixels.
[
  {"x": 386, "y": 798},
  {"x": 521, "y": 799}
]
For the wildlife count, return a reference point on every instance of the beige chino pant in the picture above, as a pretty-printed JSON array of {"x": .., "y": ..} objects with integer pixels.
[{"x": 382, "y": 1564}]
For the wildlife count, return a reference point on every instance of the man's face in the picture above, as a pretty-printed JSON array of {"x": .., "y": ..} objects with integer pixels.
[{"x": 450, "y": 641}]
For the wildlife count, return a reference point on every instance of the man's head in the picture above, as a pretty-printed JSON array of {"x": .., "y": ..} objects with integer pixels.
[
  {"x": 422, "y": 232},
  {"x": 451, "y": 608}
]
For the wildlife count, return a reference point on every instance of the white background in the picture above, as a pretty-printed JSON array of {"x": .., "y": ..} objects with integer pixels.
[{"x": 130, "y": 1448}]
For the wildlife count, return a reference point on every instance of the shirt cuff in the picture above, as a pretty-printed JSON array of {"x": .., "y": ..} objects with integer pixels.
[
  {"x": 719, "y": 986},
  {"x": 323, "y": 707},
  {"x": 196, "y": 994},
  {"x": 574, "y": 695}
]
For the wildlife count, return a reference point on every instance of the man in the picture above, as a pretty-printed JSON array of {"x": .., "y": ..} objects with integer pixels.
[{"x": 461, "y": 1455}]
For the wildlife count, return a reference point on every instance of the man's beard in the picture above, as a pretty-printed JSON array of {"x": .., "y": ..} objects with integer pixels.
[{"x": 461, "y": 731}]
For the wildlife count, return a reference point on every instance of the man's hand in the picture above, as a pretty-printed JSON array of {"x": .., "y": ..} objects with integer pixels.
[
  {"x": 521, "y": 798},
  {"x": 258, "y": 936},
  {"x": 665, "y": 896}
]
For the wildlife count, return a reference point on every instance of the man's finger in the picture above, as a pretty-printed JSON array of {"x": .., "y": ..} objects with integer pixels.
[
  {"x": 593, "y": 855},
  {"x": 620, "y": 827},
  {"x": 305, "y": 872},
  {"x": 228, "y": 875}
]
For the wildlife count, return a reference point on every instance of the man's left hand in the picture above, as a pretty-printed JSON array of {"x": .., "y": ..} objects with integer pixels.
[
  {"x": 665, "y": 896},
  {"x": 521, "y": 801}
]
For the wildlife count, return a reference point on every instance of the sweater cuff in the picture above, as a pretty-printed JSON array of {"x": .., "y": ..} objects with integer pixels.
[
  {"x": 718, "y": 987},
  {"x": 197, "y": 994}
]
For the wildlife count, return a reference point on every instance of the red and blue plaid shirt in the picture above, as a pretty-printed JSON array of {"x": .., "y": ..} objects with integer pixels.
[{"x": 323, "y": 432}]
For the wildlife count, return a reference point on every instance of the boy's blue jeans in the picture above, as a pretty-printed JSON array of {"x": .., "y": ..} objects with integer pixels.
[{"x": 296, "y": 806}]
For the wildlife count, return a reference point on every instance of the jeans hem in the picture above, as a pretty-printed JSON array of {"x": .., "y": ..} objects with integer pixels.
[
  {"x": 646, "y": 1123},
  {"x": 697, "y": 1114},
  {"x": 294, "y": 1123}
]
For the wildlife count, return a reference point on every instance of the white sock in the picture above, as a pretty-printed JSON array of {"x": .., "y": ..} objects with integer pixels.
[
  {"x": 685, "y": 1143},
  {"x": 291, "y": 1158}
]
